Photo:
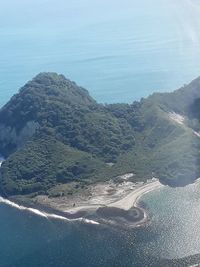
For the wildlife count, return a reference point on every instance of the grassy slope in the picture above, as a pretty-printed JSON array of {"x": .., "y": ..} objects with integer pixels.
[{"x": 164, "y": 149}]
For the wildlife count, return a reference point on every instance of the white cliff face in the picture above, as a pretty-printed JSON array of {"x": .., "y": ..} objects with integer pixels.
[
  {"x": 1, "y": 160},
  {"x": 181, "y": 120},
  {"x": 196, "y": 133},
  {"x": 9, "y": 135},
  {"x": 177, "y": 118}
]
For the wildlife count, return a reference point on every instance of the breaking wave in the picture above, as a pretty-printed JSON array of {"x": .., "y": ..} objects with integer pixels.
[{"x": 44, "y": 214}]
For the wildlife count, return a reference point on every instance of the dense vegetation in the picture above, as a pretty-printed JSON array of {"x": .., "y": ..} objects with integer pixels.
[
  {"x": 52, "y": 133},
  {"x": 42, "y": 164},
  {"x": 67, "y": 112}
]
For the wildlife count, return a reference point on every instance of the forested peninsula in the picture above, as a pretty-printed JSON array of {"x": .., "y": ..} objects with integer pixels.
[{"x": 56, "y": 139}]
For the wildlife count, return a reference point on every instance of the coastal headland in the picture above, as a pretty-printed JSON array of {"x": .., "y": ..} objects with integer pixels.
[
  {"x": 65, "y": 152},
  {"x": 105, "y": 203}
]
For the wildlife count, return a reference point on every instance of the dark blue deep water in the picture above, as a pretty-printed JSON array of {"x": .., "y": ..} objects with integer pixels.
[{"x": 30, "y": 240}]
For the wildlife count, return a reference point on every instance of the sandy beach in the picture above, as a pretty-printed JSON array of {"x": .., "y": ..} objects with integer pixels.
[
  {"x": 131, "y": 199},
  {"x": 111, "y": 202},
  {"x": 126, "y": 202},
  {"x": 121, "y": 206}
]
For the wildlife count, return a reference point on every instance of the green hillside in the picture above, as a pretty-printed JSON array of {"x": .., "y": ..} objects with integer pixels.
[{"x": 52, "y": 133}]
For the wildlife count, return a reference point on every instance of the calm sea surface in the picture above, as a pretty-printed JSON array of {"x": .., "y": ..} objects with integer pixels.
[{"x": 120, "y": 51}]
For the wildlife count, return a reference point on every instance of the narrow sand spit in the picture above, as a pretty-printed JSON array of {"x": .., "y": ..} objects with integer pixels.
[{"x": 131, "y": 199}]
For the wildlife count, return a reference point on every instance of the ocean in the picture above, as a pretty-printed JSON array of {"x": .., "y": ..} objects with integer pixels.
[
  {"x": 120, "y": 51},
  {"x": 28, "y": 239}
]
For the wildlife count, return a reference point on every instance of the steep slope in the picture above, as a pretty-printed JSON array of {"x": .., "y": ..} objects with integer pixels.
[
  {"x": 50, "y": 103},
  {"x": 44, "y": 163},
  {"x": 166, "y": 127},
  {"x": 167, "y": 150},
  {"x": 52, "y": 133},
  {"x": 180, "y": 100},
  {"x": 194, "y": 116},
  {"x": 54, "y": 111},
  {"x": 38, "y": 104},
  {"x": 170, "y": 144}
]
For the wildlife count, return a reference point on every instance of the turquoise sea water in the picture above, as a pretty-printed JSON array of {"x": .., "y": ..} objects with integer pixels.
[{"x": 120, "y": 51}]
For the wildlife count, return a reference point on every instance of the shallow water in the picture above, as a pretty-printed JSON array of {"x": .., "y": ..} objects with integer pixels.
[{"x": 176, "y": 219}]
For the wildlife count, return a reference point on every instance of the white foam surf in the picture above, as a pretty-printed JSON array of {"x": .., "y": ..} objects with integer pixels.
[
  {"x": 55, "y": 216},
  {"x": 90, "y": 221},
  {"x": 44, "y": 214}
]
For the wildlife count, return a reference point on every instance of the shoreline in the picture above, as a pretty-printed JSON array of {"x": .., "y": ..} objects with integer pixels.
[
  {"x": 45, "y": 214},
  {"x": 114, "y": 211},
  {"x": 127, "y": 202},
  {"x": 131, "y": 200}
]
